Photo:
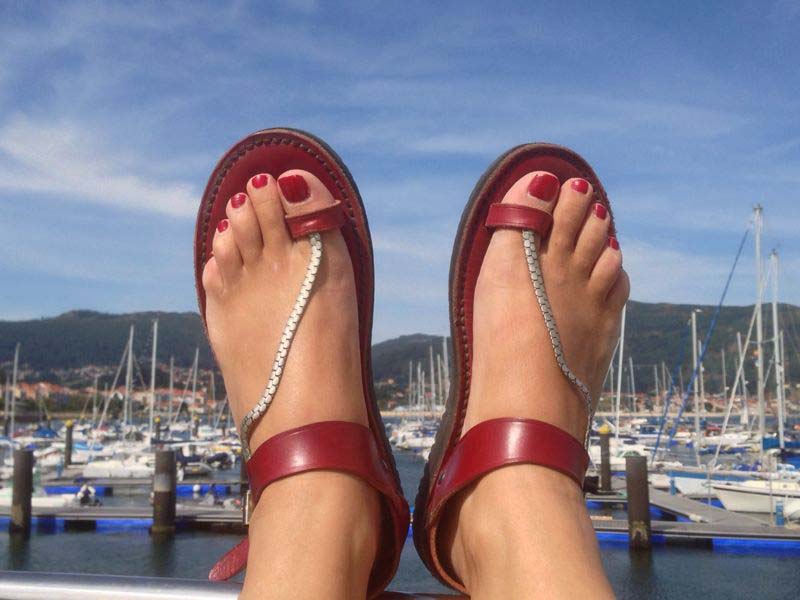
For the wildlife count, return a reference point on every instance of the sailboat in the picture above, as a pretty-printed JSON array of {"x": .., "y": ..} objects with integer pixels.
[{"x": 757, "y": 496}]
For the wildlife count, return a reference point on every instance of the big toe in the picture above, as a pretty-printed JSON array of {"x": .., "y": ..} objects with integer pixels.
[
  {"x": 539, "y": 190},
  {"x": 302, "y": 193}
]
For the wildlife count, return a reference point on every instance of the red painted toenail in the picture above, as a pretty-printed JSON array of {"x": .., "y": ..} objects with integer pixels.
[
  {"x": 544, "y": 186},
  {"x": 294, "y": 188},
  {"x": 613, "y": 243},
  {"x": 259, "y": 181},
  {"x": 580, "y": 185},
  {"x": 238, "y": 200},
  {"x": 599, "y": 211},
  {"x": 223, "y": 225}
]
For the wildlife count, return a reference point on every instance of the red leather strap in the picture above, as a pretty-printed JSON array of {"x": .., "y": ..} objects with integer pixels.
[
  {"x": 500, "y": 442},
  {"x": 331, "y": 445},
  {"x": 233, "y": 561},
  {"x": 517, "y": 216},
  {"x": 324, "y": 219},
  {"x": 497, "y": 443}
]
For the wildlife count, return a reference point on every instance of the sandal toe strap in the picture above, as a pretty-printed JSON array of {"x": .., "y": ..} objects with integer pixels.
[
  {"x": 319, "y": 220},
  {"x": 519, "y": 216}
]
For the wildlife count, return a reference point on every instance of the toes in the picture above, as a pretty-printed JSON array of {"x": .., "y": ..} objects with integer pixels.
[
  {"x": 245, "y": 227},
  {"x": 226, "y": 253},
  {"x": 263, "y": 192},
  {"x": 592, "y": 238},
  {"x": 620, "y": 291},
  {"x": 212, "y": 278},
  {"x": 607, "y": 269},
  {"x": 302, "y": 193},
  {"x": 570, "y": 214}
]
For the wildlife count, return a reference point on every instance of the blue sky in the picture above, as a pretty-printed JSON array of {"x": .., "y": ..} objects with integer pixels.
[{"x": 113, "y": 114}]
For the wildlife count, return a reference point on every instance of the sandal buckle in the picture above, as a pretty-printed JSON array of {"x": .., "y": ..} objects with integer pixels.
[{"x": 247, "y": 507}]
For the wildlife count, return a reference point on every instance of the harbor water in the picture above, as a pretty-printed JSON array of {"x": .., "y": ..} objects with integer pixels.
[{"x": 764, "y": 570}]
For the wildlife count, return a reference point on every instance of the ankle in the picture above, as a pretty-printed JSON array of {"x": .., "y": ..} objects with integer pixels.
[
  {"x": 518, "y": 521},
  {"x": 320, "y": 528}
]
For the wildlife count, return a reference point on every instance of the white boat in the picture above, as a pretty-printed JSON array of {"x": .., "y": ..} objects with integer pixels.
[
  {"x": 756, "y": 496},
  {"x": 133, "y": 467},
  {"x": 619, "y": 449},
  {"x": 39, "y": 500},
  {"x": 415, "y": 441},
  {"x": 694, "y": 481}
]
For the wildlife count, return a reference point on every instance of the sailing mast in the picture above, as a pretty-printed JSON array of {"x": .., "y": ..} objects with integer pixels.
[
  {"x": 420, "y": 388},
  {"x": 619, "y": 372},
  {"x": 439, "y": 374},
  {"x": 94, "y": 400},
  {"x": 433, "y": 376},
  {"x": 171, "y": 385},
  {"x": 14, "y": 389},
  {"x": 745, "y": 417},
  {"x": 153, "y": 375},
  {"x": 410, "y": 383},
  {"x": 655, "y": 381},
  {"x": 696, "y": 388},
  {"x": 702, "y": 381},
  {"x": 776, "y": 342},
  {"x": 194, "y": 386},
  {"x": 724, "y": 374},
  {"x": 632, "y": 384},
  {"x": 757, "y": 218},
  {"x": 126, "y": 410}
]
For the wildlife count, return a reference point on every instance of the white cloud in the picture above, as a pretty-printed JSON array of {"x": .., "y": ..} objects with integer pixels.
[{"x": 66, "y": 161}]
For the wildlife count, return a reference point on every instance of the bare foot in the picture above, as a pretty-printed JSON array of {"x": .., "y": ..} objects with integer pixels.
[
  {"x": 539, "y": 514},
  {"x": 251, "y": 284}
]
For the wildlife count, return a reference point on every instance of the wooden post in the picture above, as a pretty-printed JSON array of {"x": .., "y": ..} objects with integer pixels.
[
  {"x": 605, "y": 462},
  {"x": 638, "y": 501},
  {"x": 21, "y": 495},
  {"x": 68, "y": 444},
  {"x": 164, "y": 493}
]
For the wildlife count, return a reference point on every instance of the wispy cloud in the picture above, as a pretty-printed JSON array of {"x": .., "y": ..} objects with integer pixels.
[{"x": 67, "y": 162}]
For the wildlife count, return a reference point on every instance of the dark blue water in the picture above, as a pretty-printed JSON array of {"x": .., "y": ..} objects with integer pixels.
[{"x": 730, "y": 570}]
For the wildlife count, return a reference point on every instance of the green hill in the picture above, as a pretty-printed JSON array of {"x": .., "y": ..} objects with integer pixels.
[{"x": 655, "y": 333}]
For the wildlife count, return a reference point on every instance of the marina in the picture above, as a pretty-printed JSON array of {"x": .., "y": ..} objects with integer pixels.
[{"x": 694, "y": 464}]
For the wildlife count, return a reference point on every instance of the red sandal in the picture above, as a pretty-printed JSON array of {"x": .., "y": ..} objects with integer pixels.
[
  {"x": 455, "y": 462},
  {"x": 333, "y": 445}
]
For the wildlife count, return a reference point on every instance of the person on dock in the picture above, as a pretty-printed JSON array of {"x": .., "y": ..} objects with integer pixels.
[{"x": 500, "y": 515}]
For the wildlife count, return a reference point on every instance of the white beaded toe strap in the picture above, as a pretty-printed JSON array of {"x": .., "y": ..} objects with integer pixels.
[
  {"x": 260, "y": 409},
  {"x": 535, "y": 269}
]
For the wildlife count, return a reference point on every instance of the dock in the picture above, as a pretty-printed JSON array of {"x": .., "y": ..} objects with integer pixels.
[
  {"x": 681, "y": 506},
  {"x": 703, "y": 522},
  {"x": 185, "y": 514},
  {"x": 107, "y": 486}
]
